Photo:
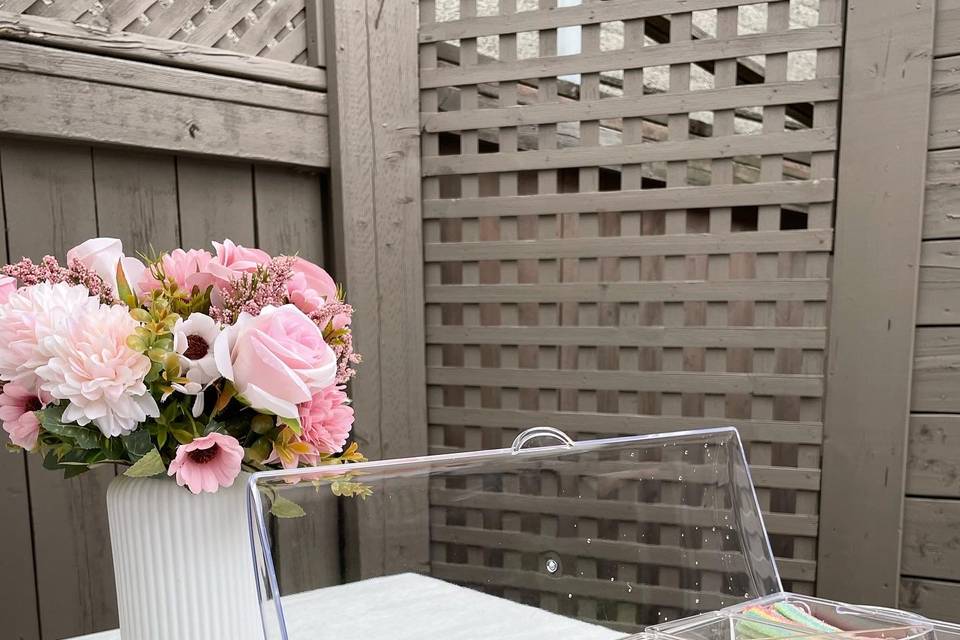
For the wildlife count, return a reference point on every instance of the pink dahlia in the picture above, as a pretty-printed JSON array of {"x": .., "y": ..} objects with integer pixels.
[
  {"x": 93, "y": 369},
  {"x": 207, "y": 463},
  {"x": 326, "y": 419},
  {"x": 17, "y": 406},
  {"x": 29, "y": 315},
  {"x": 188, "y": 269}
]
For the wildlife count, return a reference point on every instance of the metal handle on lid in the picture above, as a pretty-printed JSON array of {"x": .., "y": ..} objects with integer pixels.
[{"x": 541, "y": 432}]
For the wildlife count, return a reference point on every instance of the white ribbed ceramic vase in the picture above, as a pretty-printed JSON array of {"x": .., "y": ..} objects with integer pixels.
[{"x": 182, "y": 562}]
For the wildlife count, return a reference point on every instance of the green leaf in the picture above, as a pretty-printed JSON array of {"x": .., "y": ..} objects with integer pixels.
[
  {"x": 293, "y": 423},
  {"x": 182, "y": 436},
  {"x": 124, "y": 291},
  {"x": 283, "y": 508},
  {"x": 137, "y": 443},
  {"x": 83, "y": 437},
  {"x": 150, "y": 464},
  {"x": 213, "y": 426}
]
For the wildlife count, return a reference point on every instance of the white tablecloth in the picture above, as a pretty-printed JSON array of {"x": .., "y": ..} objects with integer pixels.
[{"x": 415, "y": 607}]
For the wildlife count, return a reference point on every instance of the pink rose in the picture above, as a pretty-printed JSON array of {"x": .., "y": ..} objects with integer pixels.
[
  {"x": 187, "y": 268},
  {"x": 276, "y": 360},
  {"x": 102, "y": 255},
  {"x": 232, "y": 260},
  {"x": 311, "y": 287},
  {"x": 7, "y": 286}
]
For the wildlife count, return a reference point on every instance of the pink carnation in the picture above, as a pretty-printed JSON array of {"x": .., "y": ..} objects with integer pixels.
[
  {"x": 207, "y": 463},
  {"x": 326, "y": 419},
  {"x": 188, "y": 269},
  {"x": 17, "y": 406}
]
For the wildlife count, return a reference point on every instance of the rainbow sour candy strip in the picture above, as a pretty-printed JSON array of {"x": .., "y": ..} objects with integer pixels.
[{"x": 798, "y": 616}]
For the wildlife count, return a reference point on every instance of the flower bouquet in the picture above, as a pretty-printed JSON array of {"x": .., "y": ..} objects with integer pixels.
[{"x": 192, "y": 364}]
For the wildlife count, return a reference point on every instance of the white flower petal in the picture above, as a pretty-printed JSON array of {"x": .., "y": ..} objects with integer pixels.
[{"x": 260, "y": 399}]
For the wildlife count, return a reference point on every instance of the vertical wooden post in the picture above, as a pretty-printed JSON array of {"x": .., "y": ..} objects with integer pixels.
[
  {"x": 372, "y": 63},
  {"x": 887, "y": 77}
]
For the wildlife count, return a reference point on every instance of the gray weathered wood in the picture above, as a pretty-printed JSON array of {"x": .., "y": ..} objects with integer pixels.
[
  {"x": 936, "y": 369},
  {"x": 945, "y": 104},
  {"x": 947, "y": 33},
  {"x": 933, "y": 465},
  {"x": 22, "y": 56},
  {"x": 65, "y": 108},
  {"x": 775, "y": 93},
  {"x": 941, "y": 216},
  {"x": 316, "y": 49},
  {"x": 939, "y": 297},
  {"x": 137, "y": 199},
  {"x": 819, "y": 37},
  {"x": 290, "y": 216},
  {"x": 158, "y": 50},
  {"x": 50, "y": 207},
  {"x": 935, "y": 599},
  {"x": 376, "y": 199},
  {"x": 931, "y": 537},
  {"x": 874, "y": 297},
  {"x": 797, "y": 191},
  {"x": 216, "y": 202}
]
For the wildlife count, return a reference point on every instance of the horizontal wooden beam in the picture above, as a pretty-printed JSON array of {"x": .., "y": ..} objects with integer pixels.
[
  {"x": 936, "y": 370},
  {"x": 587, "y": 422},
  {"x": 941, "y": 214},
  {"x": 946, "y": 37},
  {"x": 124, "y": 44},
  {"x": 21, "y": 56},
  {"x": 939, "y": 293},
  {"x": 945, "y": 104},
  {"x": 544, "y": 19},
  {"x": 935, "y": 599},
  {"x": 646, "y": 291},
  {"x": 766, "y": 384},
  {"x": 633, "y": 246},
  {"x": 812, "y": 38},
  {"x": 106, "y": 114},
  {"x": 933, "y": 460},
  {"x": 741, "y": 195},
  {"x": 819, "y": 90},
  {"x": 805, "y": 141},
  {"x": 634, "y": 336},
  {"x": 930, "y": 527}
]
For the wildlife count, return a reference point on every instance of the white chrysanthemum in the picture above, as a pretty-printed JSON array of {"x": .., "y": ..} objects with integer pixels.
[
  {"x": 93, "y": 369},
  {"x": 28, "y": 316}
]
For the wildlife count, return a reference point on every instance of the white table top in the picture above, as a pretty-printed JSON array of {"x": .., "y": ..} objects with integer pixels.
[{"x": 414, "y": 607}]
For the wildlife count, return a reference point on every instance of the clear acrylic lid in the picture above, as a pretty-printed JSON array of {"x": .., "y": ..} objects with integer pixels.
[{"x": 589, "y": 540}]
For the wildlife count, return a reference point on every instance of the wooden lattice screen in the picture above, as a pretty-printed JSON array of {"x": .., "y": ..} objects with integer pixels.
[{"x": 631, "y": 238}]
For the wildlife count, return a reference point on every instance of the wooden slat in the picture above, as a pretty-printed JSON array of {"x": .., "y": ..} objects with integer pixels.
[
  {"x": 19, "y": 56},
  {"x": 945, "y": 104},
  {"x": 626, "y": 424},
  {"x": 216, "y": 202},
  {"x": 873, "y": 299},
  {"x": 290, "y": 46},
  {"x": 936, "y": 369},
  {"x": 819, "y": 37},
  {"x": 669, "y": 381},
  {"x": 941, "y": 216},
  {"x": 137, "y": 199},
  {"x": 22, "y": 613},
  {"x": 216, "y": 23},
  {"x": 777, "y": 523},
  {"x": 946, "y": 39},
  {"x": 289, "y": 209},
  {"x": 933, "y": 464},
  {"x": 633, "y": 200},
  {"x": 157, "y": 50},
  {"x": 375, "y": 187},
  {"x": 633, "y": 246},
  {"x": 634, "y": 336},
  {"x": 797, "y": 289},
  {"x": 930, "y": 547},
  {"x": 50, "y": 107},
  {"x": 169, "y": 20},
  {"x": 718, "y": 147},
  {"x": 543, "y": 19},
  {"x": 935, "y": 599},
  {"x": 50, "y": 207},
  {"x": 821, "y": 89},
  {"x": 939, "y": 296}
]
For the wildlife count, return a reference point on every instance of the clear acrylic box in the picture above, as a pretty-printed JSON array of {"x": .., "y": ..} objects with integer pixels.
[
  {"x": 588, "y": 541},
  {"x": 805, "y": 616}
]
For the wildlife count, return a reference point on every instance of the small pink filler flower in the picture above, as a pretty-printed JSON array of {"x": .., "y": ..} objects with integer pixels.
[
  {"x": 207, "y": 463},
  {"x": 326, "y": 419},
  {"x": 17, "y": 404}
]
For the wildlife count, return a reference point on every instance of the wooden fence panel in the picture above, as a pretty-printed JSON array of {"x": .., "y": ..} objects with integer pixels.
[{"x": 629, "y": 238}]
